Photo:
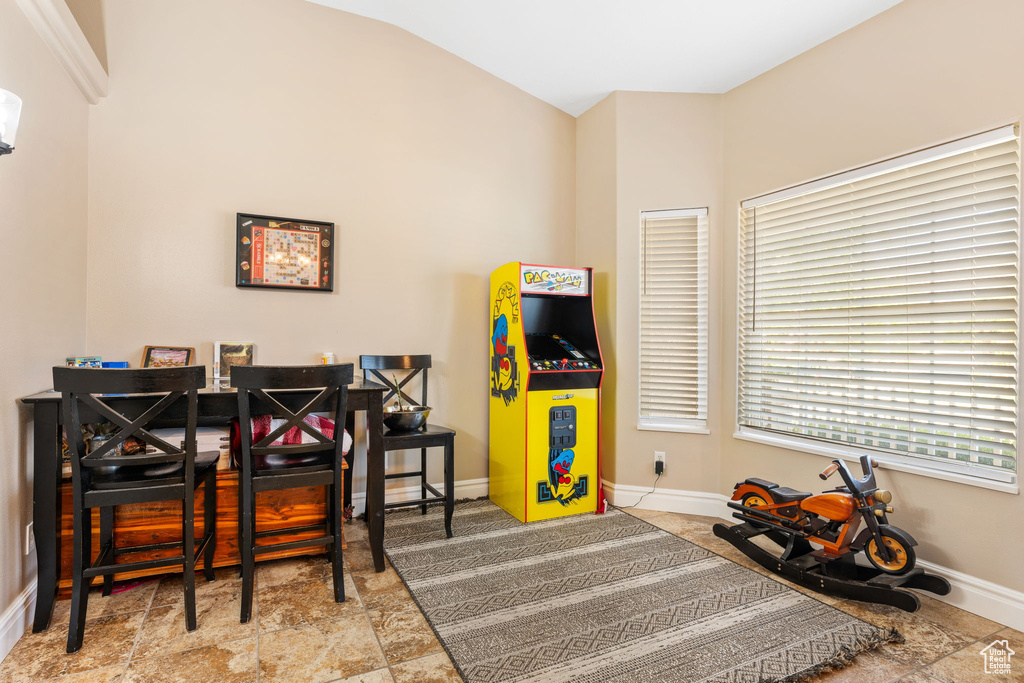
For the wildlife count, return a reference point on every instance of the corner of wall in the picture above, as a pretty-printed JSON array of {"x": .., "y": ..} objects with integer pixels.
[{"x": 596, "y": 180}]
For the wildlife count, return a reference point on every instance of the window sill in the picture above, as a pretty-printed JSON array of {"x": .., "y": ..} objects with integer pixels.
[
  {"x": 884, "y": 463},
  {"x": 682, "y": 429}
]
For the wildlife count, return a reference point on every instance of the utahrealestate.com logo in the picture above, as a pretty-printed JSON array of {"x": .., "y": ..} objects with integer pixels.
[{"x": 997, "y": 657}]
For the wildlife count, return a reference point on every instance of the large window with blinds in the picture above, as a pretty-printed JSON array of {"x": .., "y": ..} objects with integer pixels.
[
  {"x": 674, "y": 320},
  {"x": 879, "y": 309}
]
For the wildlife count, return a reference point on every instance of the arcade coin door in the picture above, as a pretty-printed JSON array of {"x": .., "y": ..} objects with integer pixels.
[{"x": 545, "y": 406}]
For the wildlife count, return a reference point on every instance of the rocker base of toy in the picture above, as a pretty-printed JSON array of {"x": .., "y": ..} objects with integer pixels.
[{"x": 840, "y": 577}]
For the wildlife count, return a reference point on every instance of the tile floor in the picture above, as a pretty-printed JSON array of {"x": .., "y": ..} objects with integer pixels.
[{"x": 298, "y": 633}]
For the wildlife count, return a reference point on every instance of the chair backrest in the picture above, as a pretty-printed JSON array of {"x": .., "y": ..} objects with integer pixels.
[
  {"x": 376, "y": 369},
  {"x": 254, "y": 381},
  {"x": 158, "y": 389}
]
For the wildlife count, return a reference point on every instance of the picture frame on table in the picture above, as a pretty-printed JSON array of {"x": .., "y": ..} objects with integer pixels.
[
  {"x": 167, "y": 356},
  {"x": 284, "y": 253},
  {"x": 227, "y": 354}
]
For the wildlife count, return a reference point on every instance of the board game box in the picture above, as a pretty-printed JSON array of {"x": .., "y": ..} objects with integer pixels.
[{"x": 284, "y": 253}]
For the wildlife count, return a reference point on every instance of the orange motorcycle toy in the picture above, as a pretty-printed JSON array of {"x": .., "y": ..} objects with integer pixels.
[
  {"x": 842, "y": 521},
  {"x": 834, "y": 519}
]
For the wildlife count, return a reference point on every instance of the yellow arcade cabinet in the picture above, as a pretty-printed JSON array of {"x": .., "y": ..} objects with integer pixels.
[{"x": 545, "y": 406}]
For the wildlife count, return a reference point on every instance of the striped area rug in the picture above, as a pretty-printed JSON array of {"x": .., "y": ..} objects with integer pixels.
[{"x": 608, "y": 598}]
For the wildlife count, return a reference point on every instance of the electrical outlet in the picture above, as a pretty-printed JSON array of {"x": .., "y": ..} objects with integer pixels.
[
  {"x": 659, "y": 462},
  {"x": 30, "y": 539}
]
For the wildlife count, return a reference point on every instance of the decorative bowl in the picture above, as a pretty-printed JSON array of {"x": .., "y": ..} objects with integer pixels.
[{"x": 406, "y": 418}]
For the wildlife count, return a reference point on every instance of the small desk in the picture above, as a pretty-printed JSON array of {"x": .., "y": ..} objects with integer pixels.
[{"x": 217, "y": 406}]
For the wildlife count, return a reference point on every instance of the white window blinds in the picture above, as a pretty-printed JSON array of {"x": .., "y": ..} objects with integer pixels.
[
  {"x": 879, "y": 308},
  {"x": 674, "y": 319}
]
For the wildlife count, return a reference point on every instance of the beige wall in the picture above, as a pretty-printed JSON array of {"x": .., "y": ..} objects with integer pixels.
[
  {"x": 919, "y": 74},
  {"x": 434, "y": 172},
  {"x": 42, "y": 229},
  {"x": 669, "y": 157},
  {"x": 923, "y": 72},
  {"x": 635, "y": 152},
  {"x": 596, "y": 238}
]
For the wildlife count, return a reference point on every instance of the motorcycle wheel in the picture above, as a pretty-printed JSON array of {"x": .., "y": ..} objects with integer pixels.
[
  {"x": 904, "y": 558},
  {"x": 755, "y": 500}
]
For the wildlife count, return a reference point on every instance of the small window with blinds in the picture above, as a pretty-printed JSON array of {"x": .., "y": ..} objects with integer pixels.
[
  {"x": 674, "y": 320},
  {"x": 879, "y": 309}
]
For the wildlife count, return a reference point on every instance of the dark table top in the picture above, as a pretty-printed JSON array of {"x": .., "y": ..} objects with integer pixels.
[{"x": 212, "y": 387}]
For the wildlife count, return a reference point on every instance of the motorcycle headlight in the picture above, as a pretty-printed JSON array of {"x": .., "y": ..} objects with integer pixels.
[{"x": 883, "y": 496}]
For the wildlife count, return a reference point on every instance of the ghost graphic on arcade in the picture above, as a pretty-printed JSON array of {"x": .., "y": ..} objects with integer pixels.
[
  {"x": 563, "y": 481},
  {"x": 504, "y": 375}
]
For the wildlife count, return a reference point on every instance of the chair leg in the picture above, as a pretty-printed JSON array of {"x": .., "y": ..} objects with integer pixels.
[
  {"x": 337, "y": 508},
  {"x": 449, "y": 484},
  {"x": 241, "y": 522},
  {"x": 423, "y": 478},
  {"x": 82, "y": 557},
  {"x": 245, "y": 548},
  {"x": 107, "y": 540},
  {"x": 189, "y": 551},
  {"x": 210, "y": 522},
  {"x": 329, "y": 503}
]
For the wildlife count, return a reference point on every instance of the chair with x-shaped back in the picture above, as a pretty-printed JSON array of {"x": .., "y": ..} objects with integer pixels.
[
  {"x": 105, "y": 478},
  {"x": 269, "y": 463},
  {"x": 379, "y": 369}
]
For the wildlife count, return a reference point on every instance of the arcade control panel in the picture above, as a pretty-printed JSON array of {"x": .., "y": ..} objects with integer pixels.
[{"x": 552, "y": 353}]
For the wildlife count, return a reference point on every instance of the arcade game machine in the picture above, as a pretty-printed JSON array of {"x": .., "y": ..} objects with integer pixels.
[{"x": 545, "y": 406}]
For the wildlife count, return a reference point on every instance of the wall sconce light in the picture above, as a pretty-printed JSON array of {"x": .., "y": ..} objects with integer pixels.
[{"x": 10, "y": 113}]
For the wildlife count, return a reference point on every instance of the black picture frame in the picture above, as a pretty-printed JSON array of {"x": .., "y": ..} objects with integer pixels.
[
  {"x": 298, "y": 263},
  {"x": 167, "y": 356}
]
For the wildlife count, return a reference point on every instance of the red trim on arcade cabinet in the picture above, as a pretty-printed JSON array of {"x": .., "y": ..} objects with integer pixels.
[
  {"x": 602, "y": 503},
  {"x": 541, "y": 372},
  {"x": 526, "y": 402},
  {"x": 526, "y": 449}
]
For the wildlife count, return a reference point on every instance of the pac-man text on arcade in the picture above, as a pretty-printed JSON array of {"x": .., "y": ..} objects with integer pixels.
[{"x": 544, "y": 280}]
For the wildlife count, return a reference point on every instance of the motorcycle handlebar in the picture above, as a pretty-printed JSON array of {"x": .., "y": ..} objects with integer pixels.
[{"x": 829, "y": 471}]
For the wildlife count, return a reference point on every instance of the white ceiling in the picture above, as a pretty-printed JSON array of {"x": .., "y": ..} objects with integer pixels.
[{"x": 572, "y": 53}]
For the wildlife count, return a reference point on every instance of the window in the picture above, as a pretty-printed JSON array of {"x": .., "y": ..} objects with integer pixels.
[
  {"x": 674, "y": 320},
  {"x": 879, "y": 309}
]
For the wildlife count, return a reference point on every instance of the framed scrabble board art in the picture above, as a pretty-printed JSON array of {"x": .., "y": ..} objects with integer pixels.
[{"x": 284, "y": 253}]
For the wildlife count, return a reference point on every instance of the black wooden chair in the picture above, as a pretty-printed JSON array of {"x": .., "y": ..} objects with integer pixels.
[
  {"x": 105, "y": 479},
  {"x": 380, "y": 369},
  {"x": 269, "y": 467}
]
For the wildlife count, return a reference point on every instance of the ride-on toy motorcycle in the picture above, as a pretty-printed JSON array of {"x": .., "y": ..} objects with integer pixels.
[
  {"x": 834, "y": 518},
  {"x": 842, "y": 521}
]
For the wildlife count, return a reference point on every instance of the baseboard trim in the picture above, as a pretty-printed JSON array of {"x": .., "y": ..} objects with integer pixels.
[
  {"x": 16, "y": 619},
  {"x": 465, "y": 488},
  {"x": 667, "y": 500},
  {"x": 984, "y": 598},
  {"x": 978, "y": 596}
]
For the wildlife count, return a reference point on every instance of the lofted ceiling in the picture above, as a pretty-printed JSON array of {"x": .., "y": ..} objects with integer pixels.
[{"x": 572, "y": 53}]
